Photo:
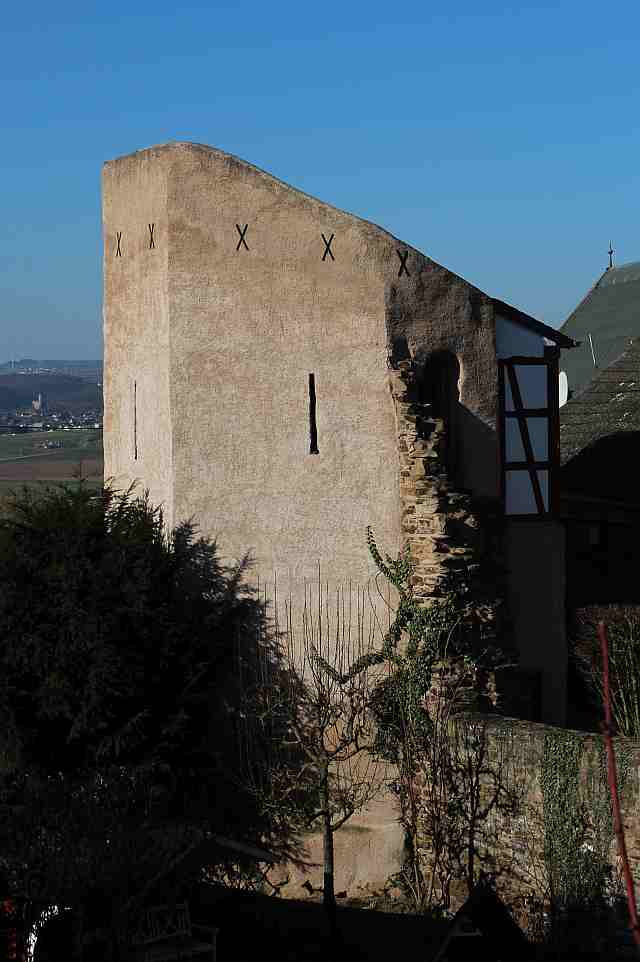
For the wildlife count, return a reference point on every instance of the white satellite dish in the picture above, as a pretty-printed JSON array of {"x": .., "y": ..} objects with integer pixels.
[{"x": 563, "y": 388}]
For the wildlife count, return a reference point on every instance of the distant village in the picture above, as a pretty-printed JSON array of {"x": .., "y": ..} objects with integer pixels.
[
  {"x": 40, "y": 415},
  {"x": 23, "y": 422}
]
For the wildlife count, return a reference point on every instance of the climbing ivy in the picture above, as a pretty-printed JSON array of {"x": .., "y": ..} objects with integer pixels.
[
  {"x": 578, "y": 828},
  {"x": 443, "y": 628},
  {"x": 577, "y": 820},
  {"x": 564, "y": 830},
  {"x": 437, "y": 784}
]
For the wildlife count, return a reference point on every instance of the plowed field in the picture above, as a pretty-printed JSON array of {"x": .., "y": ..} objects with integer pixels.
[{"x": 50, "y": 467}]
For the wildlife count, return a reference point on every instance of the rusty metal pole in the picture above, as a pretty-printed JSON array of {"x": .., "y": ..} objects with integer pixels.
[{"x": 613, "y": 786}]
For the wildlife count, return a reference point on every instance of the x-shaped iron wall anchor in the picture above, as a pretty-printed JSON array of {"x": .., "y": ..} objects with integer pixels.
[
  {"x": 242, "y": 233},
  {"x": 118, "y": 239},
  {"x": 152, "y": 243},
  {"x": 403, "y": 263},
  {"x": 327, "y": 247}
]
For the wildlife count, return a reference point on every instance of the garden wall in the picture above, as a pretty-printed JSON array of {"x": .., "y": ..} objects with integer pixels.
[{"x": 561, "y": 807}]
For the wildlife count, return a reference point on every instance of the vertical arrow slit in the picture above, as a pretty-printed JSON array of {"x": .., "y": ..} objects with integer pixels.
[
  {"x": 135, "y": 420},
  {"x": 313, "y": 426}
]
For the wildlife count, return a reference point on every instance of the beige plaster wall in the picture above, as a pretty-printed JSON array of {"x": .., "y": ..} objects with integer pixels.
[
  {"x": 136, "y": 325},
  {"x": 247, "y": 328},
  {"x": 221, "y": 342},
  {"x": 367, "y": 850}
]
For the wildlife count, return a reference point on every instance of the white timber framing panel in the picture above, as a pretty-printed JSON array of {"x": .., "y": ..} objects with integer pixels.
[{"x": 528, "y": 427}]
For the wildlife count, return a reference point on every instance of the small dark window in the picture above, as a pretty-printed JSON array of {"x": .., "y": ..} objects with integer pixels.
[{"x": 313, "y": 427}]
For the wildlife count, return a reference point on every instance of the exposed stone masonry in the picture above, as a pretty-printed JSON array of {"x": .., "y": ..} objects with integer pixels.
[
  {"x": 446, "y": 533},
  {"x": 512, "y": 846}
]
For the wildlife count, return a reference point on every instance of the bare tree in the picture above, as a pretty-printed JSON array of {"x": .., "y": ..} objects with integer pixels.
[
  {"x": 460, "y": 786},
  {"x": 323, "y": 766}
]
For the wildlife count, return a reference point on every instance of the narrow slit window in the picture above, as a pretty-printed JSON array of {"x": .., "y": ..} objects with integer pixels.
[
  {"x": 313, "y": 427},
  {"x": 135, "y": 420}
]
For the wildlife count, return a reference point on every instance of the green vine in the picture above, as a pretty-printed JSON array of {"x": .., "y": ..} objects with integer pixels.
[
  {"x": 416, "y": 740},
  {"x": 578, "y": 829},
  {"x": 577, "y": 819},
  {"x": 564, "y": 830}
]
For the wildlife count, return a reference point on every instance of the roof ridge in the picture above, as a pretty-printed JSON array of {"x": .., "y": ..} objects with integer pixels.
[
  {"x": 607, "y": 273},
  {"x": 545, "y": 329},
  {"x": 621, "y": 267},
  {"x": 584, "y": 300},
  {"x": 207, "y": 148}
]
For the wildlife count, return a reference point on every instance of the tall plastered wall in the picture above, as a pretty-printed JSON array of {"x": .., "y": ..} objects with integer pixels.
[
  {"x": 225, "y": 289},
  {"x": 211, "y": 334},
  {"x": 137, "y": 414},
  {"x": 249, "y": 325},
  {"x": 254, "y": 299}
]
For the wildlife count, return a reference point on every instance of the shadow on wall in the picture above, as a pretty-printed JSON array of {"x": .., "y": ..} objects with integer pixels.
[
  {"x": 438, "y": 386},
  {"x": 478, "y": 457},
  {"x": 472, "y": 447},
  {"x": 472, "y": 452}
]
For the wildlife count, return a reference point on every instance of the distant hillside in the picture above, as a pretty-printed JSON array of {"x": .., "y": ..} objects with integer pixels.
[
  {"x": 62, "y": 392},
  {"x": 57, "y": 363},
  {"x": 90, "y": 371}
]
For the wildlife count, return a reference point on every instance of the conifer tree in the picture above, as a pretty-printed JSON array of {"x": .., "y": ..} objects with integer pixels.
[{"x": 121, "y": 651}]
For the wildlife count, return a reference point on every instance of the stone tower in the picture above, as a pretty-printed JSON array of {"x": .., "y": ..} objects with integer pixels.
[{"x": 288, "y": 374}]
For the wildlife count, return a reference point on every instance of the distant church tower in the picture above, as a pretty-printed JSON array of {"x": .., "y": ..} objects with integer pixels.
[{"x": 39, "y": 404}]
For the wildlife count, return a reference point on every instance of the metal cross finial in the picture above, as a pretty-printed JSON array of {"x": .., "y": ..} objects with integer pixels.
[{"x": 611, "y": 253}]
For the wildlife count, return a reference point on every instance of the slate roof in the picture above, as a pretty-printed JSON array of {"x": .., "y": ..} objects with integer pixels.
[
  {"x": 610, "y": 312},
  {"x": 609, "y": 404}
]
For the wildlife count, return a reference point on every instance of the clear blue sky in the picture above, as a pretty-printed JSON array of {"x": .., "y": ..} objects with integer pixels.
[{"x": 500, "y": 139}]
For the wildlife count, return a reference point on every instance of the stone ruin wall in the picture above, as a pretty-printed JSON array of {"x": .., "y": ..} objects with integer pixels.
[
  {"x": 448, "y": 531},
  {"x": 512, "y": 845},
  {"x": 444, "y": 529}
]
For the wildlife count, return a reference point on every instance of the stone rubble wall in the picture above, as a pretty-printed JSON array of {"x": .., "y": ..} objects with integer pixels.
[
  {"x": 512, "y": 846},
  {"x": 445, "y": 529},
  {"x": 449, "y": 531}
]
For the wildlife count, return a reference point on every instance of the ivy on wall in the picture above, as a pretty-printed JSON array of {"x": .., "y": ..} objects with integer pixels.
[
  {"x": 463, "y": 801},
  {"x": 578, "y": 834}
]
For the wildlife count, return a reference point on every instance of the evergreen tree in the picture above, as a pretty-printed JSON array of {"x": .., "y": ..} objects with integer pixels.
[{"x": 124, "y": 657}]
